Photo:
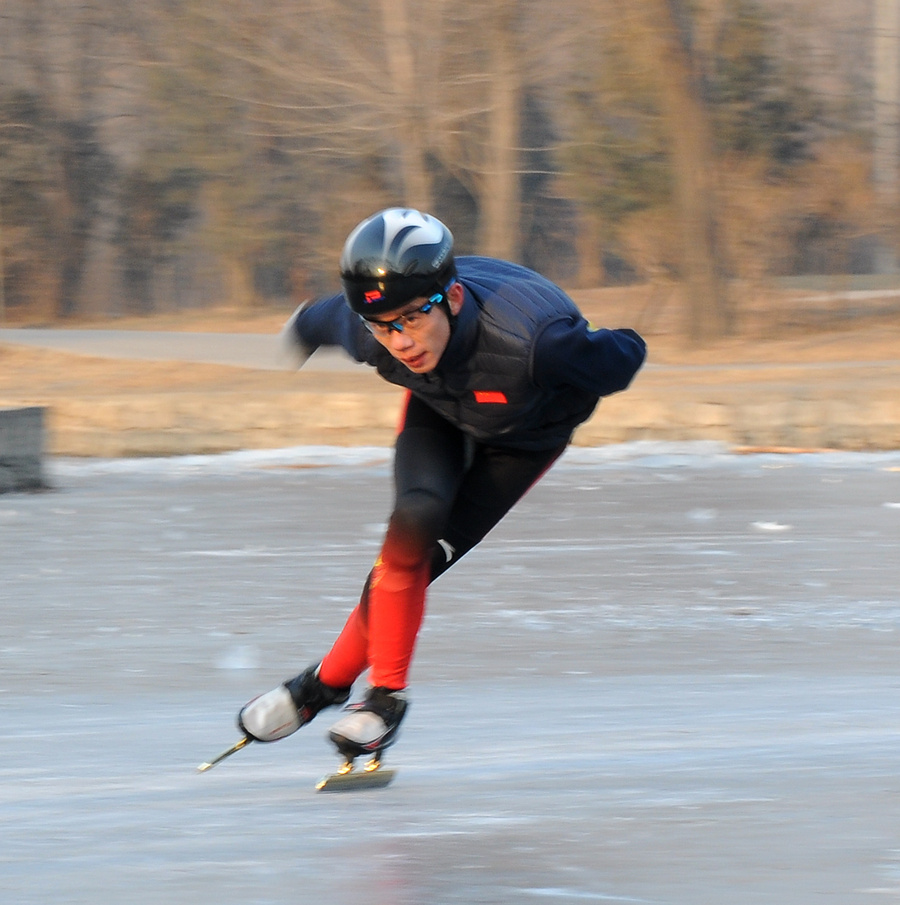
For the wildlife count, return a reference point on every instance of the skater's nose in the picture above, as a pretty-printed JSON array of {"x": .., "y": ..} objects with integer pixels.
[{"x": 400, "y": 342}]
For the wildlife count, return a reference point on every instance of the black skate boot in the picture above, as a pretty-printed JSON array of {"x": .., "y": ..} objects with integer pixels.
[
  {"x": 371, "y": 725},
  {"x": 282, "y": 711}
]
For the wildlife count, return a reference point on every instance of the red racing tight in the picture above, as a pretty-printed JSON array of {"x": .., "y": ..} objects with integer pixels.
[{"x": 449, "y": 493}]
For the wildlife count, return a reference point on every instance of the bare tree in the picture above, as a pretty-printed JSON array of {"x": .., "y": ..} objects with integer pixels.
[
  {"x": 680, "y": 66},
  {"x": 55, "y": 57},
  {"x": 396, "y": 100},
  {"x": 502, "y": 184},
  {"x": 410, "y": 111},
  {"x": 267, "y": 133}
]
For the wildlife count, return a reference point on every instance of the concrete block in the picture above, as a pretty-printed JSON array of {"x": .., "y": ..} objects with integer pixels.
[{"x": 22, "y": 448}]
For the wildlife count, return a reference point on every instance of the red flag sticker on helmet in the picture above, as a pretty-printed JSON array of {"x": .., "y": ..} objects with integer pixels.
[
  {"x": 372, "y": 296},
  {"x": 494, "y": 396}
]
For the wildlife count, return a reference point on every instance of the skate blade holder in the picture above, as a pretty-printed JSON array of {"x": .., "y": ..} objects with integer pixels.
[{"x": 345, "y": 778}]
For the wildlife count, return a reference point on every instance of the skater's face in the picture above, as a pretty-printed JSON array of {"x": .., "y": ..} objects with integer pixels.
[{"x": 417, "y": 333}]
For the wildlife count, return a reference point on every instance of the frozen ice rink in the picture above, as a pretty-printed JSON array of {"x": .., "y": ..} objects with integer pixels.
[{"x": 670, "y": 676}]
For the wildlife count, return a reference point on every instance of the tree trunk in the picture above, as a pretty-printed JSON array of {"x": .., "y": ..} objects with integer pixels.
[
  {"x": 501, "y": 196},
  {"x": 589, "y": 242},
  {"x": 411, "y": 128},
  {"x": 708, "y": 313},
  {"x": 886, "y": 137},
  {"x": 239, "y": 283}
]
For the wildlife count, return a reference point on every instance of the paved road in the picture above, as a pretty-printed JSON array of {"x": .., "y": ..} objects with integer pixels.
[
  {"x": 245, "y": 350},
  {"x": 670, "y": 677},
  {"x": 263, "y": 351}
]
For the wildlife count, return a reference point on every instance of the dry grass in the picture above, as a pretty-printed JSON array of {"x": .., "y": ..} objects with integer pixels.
[
  {"x": 783, "y": 354},
  {"x": 817, "y": 337}
]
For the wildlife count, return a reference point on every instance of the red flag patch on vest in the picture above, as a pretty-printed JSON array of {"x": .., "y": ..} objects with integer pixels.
[{"x": 494, "y": 396}]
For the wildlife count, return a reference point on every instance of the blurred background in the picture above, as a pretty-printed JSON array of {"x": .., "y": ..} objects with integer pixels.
[{"x": 177, "y": 154}]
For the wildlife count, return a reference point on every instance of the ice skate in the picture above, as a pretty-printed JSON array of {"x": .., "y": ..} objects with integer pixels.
[
  {"x": 368, "y": 728},
  {"x": 282, "y": 711}
]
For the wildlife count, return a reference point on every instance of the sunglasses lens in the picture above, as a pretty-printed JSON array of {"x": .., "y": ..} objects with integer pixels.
[{"x": 411, "y": 321}]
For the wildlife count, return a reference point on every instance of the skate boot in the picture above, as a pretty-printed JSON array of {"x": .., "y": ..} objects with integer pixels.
[
  {"x": 370, "y": 726},
  {"x": 282, "y": 711}
]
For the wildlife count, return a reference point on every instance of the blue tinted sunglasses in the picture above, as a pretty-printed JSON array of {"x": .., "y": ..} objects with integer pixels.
[{"x": 411, "y": 321}]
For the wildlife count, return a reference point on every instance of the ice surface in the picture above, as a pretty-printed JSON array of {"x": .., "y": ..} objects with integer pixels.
[{"x": 631, "y": 692}]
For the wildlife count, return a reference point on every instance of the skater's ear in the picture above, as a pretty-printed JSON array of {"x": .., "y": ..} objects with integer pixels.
[{"x": 455, "y": 297}]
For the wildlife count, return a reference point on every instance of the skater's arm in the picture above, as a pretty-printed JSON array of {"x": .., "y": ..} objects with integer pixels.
[
  {"x": 325, "y": 322},
  {"x": 293, "y": 350},
  {"x": 600, "y": 361}
]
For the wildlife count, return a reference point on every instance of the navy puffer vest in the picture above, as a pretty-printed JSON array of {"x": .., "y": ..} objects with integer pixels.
[{"x": 484, "y": 383}]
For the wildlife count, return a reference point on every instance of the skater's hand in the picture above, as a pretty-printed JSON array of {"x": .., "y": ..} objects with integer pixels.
[{"x": 294, "y": 353}]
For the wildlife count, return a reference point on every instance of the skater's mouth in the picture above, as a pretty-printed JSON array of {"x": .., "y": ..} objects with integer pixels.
[{"x": 416, "y": 361}]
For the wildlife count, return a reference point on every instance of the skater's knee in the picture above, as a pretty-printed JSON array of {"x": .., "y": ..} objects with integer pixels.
[{"x": 414, "y": 528}]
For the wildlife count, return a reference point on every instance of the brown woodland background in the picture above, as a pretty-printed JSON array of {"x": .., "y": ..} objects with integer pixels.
[{"x": 179, "y": 154}]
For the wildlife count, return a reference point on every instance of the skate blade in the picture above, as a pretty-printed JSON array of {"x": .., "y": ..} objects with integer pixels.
[
  {"x": 208, "y": 765},
  {"x": 355, "y": 779}
]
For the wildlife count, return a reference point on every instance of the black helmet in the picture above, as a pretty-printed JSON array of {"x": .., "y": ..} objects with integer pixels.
[{"x": 393, "y": 256}]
